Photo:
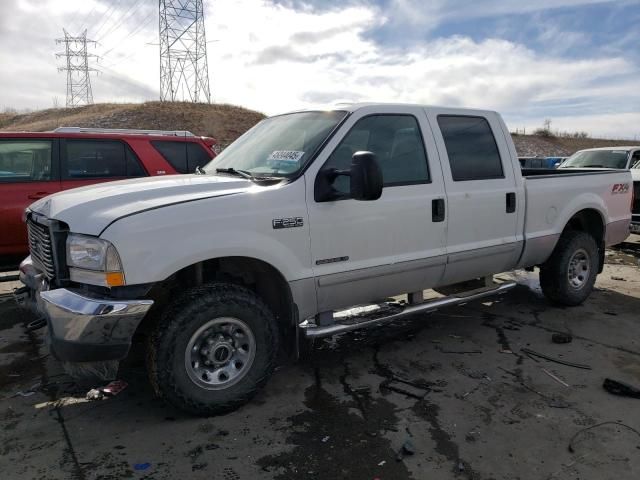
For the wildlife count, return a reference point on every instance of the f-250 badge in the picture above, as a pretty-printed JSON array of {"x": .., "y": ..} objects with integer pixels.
[
  {"x": 279, "y": 223},
  {"x": 620, "y": 188}
]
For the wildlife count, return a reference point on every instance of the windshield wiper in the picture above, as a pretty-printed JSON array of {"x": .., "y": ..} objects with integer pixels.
[
  {"x": 247, "y": 175},
  {"x": 238, "y": 173}
]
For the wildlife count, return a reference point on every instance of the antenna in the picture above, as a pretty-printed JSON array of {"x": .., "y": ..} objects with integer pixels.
[
  {"x": 184, "y": 72},
  {"x": 77, "y": 68}
]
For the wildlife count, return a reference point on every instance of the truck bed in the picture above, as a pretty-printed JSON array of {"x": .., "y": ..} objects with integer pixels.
[{"x": 555, "y": 196}]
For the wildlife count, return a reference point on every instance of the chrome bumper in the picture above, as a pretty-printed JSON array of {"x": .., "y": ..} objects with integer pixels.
[{"x": 81, "y": 328}]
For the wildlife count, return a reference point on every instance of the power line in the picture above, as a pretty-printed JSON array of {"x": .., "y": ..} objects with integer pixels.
[
  {"x": 117, "y": 24},
  {"x": 86, "y": 17},
  {"x": 144, "y": 23},
  {"x": 77, "y": 68},
  {"x": 112, "y": 9}
]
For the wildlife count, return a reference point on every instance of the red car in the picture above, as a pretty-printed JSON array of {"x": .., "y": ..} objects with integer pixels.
[{"x": 34, "y": 165}]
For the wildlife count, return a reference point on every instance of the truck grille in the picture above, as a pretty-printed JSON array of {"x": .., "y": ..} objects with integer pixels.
[
  {"x": 40, "y": 247},
  {"x": 636, "y": 202}
]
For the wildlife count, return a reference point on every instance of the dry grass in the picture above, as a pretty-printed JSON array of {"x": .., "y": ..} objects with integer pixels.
[{"x": 223, "y": 122}]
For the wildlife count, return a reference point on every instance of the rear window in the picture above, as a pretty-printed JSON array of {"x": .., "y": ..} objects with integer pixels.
[
  {"x": 184, "y": 157},
  {"x": 471, "y": 148},
  {"x": 25, "y": 160},
  {"x": 99, "y": 159}
]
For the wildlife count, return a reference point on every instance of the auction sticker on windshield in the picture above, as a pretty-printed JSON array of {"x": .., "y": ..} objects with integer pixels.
[{"x": 292, "y": 156}]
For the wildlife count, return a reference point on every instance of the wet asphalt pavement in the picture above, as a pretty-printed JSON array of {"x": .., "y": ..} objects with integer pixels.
[{"x": 453, "y": 388}]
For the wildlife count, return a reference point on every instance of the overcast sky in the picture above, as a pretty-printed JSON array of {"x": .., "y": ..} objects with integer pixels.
[{"x": 576, "y": 62}]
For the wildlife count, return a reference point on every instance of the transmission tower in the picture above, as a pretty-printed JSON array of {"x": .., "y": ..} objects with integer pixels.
[
  {"x": 184, "y": 73},
  {"x": 77, "y": 68}
]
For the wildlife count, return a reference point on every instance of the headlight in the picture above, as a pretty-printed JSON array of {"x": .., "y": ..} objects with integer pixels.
[{"x": 94, "y": 261}]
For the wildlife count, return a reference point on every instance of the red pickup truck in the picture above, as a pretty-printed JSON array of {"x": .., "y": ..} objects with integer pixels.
[{"x": 34, "y": 165}]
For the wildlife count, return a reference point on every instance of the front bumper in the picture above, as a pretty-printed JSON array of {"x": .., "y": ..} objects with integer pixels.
[{"x": 82, "y": 328}]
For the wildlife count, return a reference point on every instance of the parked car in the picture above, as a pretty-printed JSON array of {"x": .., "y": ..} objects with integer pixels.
[
  {"x": 304, "y": 216},
  {"x": 621, "y": 158},
  {"x": 613, "y": 157},
  {"x": 540, "y": 162},
  {"x": 34, "y": 165}
]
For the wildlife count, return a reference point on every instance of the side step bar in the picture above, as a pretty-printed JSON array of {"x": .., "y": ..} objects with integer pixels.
[{"x": 314, "y": 331}]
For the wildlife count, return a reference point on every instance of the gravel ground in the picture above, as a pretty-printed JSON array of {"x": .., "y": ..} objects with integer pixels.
[{"x": 454, "y": 388}]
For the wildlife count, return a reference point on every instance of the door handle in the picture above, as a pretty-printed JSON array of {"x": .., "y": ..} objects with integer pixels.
[
  {"x": 37, "y": 195},
  {"x": 511, "y": 202},
  {"x": 437, "y": 210}
]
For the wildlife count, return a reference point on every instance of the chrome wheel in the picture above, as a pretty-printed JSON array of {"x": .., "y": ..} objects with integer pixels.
[
  {"x": 579, "y": 269},
  {"x": 220, "y": 353}
]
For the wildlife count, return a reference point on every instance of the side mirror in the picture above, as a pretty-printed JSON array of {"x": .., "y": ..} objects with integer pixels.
[
  {"x": 366, "y": 180},
  {"x": 366, "y": 177}
]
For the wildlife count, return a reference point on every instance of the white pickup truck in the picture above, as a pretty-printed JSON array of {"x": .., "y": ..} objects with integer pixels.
[{"x": 303, "y": 217}]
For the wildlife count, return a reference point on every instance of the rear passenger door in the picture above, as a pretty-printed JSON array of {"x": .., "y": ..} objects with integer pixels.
[
  {"x": 86, "y": 161},
  {"x": 481, "y": 194}
]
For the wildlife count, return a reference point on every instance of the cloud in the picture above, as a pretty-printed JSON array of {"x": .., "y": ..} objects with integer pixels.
[{"x": 276, "y": 57}]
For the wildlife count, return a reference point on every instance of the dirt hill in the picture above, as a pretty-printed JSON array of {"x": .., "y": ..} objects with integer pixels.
[
  {"x": 224, "y": 122},
  {"x": 534, "y": 146}
]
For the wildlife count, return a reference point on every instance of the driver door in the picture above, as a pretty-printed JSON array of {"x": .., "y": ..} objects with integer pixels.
[{"x": 364, "y": 251}]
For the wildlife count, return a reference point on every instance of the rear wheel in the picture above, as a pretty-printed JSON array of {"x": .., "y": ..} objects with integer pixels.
[
  {"x": 213, "y": 349},
  {"x": 568, "y": 276}
]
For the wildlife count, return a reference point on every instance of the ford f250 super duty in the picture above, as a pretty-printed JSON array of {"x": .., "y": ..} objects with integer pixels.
[{"x": 302, "y": 218}]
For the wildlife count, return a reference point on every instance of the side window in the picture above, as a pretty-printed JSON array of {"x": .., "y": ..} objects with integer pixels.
[
  {"x": 397, "y": 143},
  {"x": 175, "y": 153},
  {"x": 197, "y": 156},
  {"x": 134, "y": 169},
  {"x": 25, "y": 160},
  {"x": 94, "y": 159},
  {"x": 635, "y": 160},
  {"x": 471, "y": 147}
]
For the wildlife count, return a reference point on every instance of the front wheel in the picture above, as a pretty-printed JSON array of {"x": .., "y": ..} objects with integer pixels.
[
  {"x": 213, "y": 349},
  {"x": 568, "y": 276}
]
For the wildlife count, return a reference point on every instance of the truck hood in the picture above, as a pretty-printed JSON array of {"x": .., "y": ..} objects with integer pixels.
[{"x": 92, "y": 208}]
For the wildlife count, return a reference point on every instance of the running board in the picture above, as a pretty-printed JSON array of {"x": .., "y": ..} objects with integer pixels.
[{"x": 315, "y": 331}]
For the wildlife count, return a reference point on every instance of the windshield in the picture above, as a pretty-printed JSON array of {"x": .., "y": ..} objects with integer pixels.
[
  {"x": 597, "y": 159},
  {"x": 278, "y": 146}
]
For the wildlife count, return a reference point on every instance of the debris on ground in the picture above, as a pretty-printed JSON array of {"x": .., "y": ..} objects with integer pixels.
[
  {"x": 528, "y": 351},
  {"x": 110, "y": 390},
  {"x": 561, "y": 338},
  {"x": 382, "y": 463},
  {"x": 326, "y": 439},
  {"x": 141, "y": 466},
  {"x": 557, "y": 402},
  {"x": 620, "y": 279},
  {"x": 616, "y": 387},
  {"x": 557, "y": 379},
  {"x": 27, "y": 393},
  {"x": 408, "y": 448},
  {"x": 94, "y": 394},
  {"x": 459, "y": 351},
  {"x": 573, "y": 439}
]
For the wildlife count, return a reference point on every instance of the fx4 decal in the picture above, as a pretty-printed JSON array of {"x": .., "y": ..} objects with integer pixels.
[
  {"x": 620, "y": 188},
  {"x": 279, "y": 223}
]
